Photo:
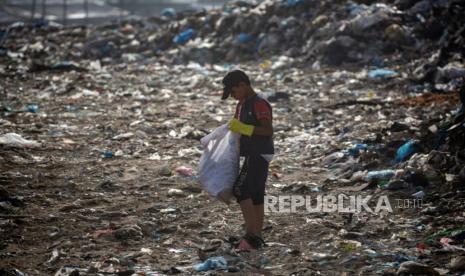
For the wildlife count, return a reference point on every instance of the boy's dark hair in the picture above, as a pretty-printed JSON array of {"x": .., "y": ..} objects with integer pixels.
[{"x": 232, "y": 79}]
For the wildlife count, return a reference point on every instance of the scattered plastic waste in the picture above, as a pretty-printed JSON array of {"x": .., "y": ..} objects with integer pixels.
[
  {"x": 244, "y": 38},
  {"x": 406, "y": 150},
  {"x": 264, "y": 260},
  {"x": 175, "y": 192},
  {"x": 33, "y": 108},
  {"x": 419, "y": 194},
  {"x": 146, "y": 90},
  {"x": 108, "y": 154},
  {"x": 381, "y": 73},
  {"x": 212, "y": 263},
  {"x": 380, "y": 175},
  {"x": 383, "y": 184},
  {"x": 185, "y": 171},
  {"x": 355, "y": 150},
  {"x": 184, "y": 36},
  {"x": 293, "y": 3},
  {"x": 123, "y": 136},
  {"x": 169, "y": 12},
  {"x": 315, "y": 190}
]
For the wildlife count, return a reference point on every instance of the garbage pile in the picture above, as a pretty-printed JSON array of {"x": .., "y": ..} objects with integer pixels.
[
  {"x": 314, "y": 33},
  {"x": 100, "y": 129}
]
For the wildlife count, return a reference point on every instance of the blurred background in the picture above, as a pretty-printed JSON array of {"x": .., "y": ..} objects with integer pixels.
[{"x": 94, "y": 11}]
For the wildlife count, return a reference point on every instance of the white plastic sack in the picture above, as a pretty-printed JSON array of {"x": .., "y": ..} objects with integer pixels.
[{"x": 219, "y": 164}]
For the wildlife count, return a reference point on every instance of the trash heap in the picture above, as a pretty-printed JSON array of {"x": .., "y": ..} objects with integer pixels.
[
  {"x": 311, "y": 33},
  {"x": 100, "y": 129}
]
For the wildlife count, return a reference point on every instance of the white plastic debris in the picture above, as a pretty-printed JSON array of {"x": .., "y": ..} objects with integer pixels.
[
  {"x": 123, "y": 136},
  {"x": 15, "y": 140}
]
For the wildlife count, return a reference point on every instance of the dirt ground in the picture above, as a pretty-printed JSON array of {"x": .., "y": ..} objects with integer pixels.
[{"x": 102, "y": 204}]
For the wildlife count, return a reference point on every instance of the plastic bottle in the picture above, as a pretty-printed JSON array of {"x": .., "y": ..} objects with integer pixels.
[
  {"x": 184, "y": 36},
  {"x": 406, "y": 150},
  {"x": 380, "y": 175},
  {"x": 381, "y": 73}
]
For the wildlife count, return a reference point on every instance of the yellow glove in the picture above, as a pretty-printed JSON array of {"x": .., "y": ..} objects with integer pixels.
[{"x": 236, "y": 126}]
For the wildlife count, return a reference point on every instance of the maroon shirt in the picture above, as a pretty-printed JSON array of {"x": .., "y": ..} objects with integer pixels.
[{"x": 261, "y": 110}]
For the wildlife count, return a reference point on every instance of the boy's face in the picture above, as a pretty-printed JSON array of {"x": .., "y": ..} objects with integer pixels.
[{"x": 239, "y": 91}]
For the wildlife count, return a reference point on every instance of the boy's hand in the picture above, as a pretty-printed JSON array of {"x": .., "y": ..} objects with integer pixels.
[{"x": 236, "y": 126}]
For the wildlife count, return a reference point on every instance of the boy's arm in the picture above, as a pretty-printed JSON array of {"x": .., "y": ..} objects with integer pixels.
[
  {"x": 263, "y": 113},
  {"x": 265, "y": 128}
]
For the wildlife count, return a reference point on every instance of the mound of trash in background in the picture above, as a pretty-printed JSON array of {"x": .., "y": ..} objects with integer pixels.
[{"x": 100, "y": 129}]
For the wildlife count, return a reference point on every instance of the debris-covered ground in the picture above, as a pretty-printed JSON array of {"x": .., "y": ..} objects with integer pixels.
[{"x": 100, "y": 129}]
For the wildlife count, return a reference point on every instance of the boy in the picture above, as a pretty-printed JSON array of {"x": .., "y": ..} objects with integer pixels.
[{"x": 253, "y": 120}]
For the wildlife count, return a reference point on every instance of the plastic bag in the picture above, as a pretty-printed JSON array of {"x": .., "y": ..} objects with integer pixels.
[{"x": 219, "y": 164}]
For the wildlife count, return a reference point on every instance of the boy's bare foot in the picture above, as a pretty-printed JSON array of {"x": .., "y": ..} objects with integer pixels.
[
  {"x": 244, "y": 246},
  {"x": 249, "y": 242}
]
